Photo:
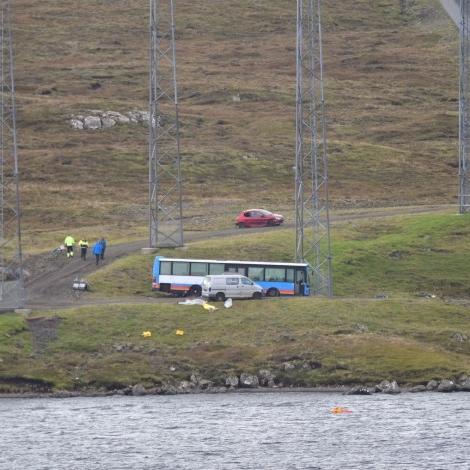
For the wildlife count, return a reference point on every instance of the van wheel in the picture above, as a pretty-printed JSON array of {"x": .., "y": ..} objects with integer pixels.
[
  {"x": 241, "y": 225},
  {"x": 257, "y": 295},
  {"x": 273, "y": 293},
  {"x": 220, "y": 296},
  {"x": 195, "y": 291}
]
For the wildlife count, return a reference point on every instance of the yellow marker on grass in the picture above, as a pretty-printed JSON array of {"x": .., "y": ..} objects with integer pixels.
[
  {"x": 147, "y": 334},
  {"x": 179, "y": 332}
]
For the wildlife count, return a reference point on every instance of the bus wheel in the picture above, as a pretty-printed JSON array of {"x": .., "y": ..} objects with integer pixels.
[
  {"x": 257, "y": 295},
  {"x": 220, "y": 296},
  {"x": 273, "y": 293},
  {"x": 195, "y": 291}
]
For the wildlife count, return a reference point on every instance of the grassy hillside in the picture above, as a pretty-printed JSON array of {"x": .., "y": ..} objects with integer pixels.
[
  {"x": 349, "y": 341},
  {"x": 391, "y": 91},
  {"x": 400, "y": 257}
]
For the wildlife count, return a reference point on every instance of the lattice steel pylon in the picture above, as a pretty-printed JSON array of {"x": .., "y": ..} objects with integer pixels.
[
  {"x": 312, "y": 219},
  {"x": 464, "y": 109},
  {"x": 165, "y": 193},
  {"x": 12, "y": 293}
]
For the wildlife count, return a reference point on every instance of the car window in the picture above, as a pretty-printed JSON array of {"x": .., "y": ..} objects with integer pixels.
[
  {"x": 231, "y": 281},
  {"x": 246, "y": 281},
  {"x": 247, "y": 214}
]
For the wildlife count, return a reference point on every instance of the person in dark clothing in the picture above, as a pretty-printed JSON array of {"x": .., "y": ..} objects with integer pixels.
[
  {"x": 97, "y": 250},
  {"x": 103, "y": 244},
  {"x": 83, "y": 244}
]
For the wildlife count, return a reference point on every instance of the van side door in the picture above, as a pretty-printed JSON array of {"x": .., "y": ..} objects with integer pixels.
[{"x": 232, "y": 287}]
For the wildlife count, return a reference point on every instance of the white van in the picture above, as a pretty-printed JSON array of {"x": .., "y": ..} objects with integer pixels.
[{"x": 222, "y": 286}]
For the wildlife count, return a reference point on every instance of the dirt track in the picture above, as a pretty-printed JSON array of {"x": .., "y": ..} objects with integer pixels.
[{"x": 51, "y": 278}]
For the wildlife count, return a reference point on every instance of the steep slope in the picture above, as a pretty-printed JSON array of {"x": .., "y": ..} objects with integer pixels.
[{"x": 391, "y": 90}]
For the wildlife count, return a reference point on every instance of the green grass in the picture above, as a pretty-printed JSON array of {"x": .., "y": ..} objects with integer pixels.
[
  {"x": 409, "y": 341},
  {"x": 406, "y": 255}
]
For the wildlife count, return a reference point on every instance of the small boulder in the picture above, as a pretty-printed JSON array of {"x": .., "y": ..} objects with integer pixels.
[
  {"x": 432, "y": 385},
  {"x": 232, "y": 381},
  {"x": 465, "y": 386},
  {"x": 138, "y": 390},
  {"x": 106, "y": 123},
  {"x": 205, "y": 384},
  {"x": 459, "y": 337},
  {"x": 391, "y": 388},
  {"x": 446, "y": 386},
  {"x": 418, "y": 389},
  {"x": 266, "y": 378},
  {"x": 92, "y": 122},
  {"x": 360, "y": 390},
  {"x": 76, "y": 124},
  {"x": 249, "y": 381},
  {"x": 195, "y": 378},
  {"x": 288, "y": 366}
]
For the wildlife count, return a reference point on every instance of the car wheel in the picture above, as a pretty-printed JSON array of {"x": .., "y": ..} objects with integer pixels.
[
  {"x": 273, "y": 293},
  {"x": 257, "y": 295},
  {"x": 195, "y": 291},
  {"x": 220, "y": 296},
  {"x": 241, "y": 225}
]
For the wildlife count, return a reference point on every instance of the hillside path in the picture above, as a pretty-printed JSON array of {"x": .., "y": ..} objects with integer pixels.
[{"x": 50, "y": 284}]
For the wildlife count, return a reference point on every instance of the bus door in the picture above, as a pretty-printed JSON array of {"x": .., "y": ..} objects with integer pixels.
[{"x": 300, "y": 282}]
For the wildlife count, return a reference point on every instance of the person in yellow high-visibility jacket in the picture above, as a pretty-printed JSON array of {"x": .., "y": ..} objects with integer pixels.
[
  {"x": 83, "y": 244},
  {"x": 69, "y": 243}
]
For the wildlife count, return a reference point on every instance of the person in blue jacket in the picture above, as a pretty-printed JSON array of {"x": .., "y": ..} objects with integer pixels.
[
  {"x": 97, "y": 250},
  {"x": 103, "y": 244}
]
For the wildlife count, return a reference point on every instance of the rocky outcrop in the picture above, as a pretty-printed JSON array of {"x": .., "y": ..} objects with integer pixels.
[
  {"x": 98, "y": 119},
  {"x": 465, "y": 386},
  {"x": 249, "y": 381},
  {"x": 391, "y": 388},
  {"x": 360, "y": 390},
  {"x": 432, "y": 385},
  {"x": 446, "y": 386},
  {"x": 418, "y": 389},
  {"x": 138, "y": 390},
  {"x": 266, "y": 378},
  {"x": 232, "y": 381}
]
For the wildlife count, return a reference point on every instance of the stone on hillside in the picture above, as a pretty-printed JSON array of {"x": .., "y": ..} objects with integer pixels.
[
  {"x": 249, "y": 381},
  {"x": 232, "y": 381},
  {"x": 76, "y": 124},
  {"x": 195, "y": 378},
  {"x": 138, "y": 390},
  {"x": 92, "y": 122},
  {"x": 266, "y": 378},
  {"x": 432, "y": 385},
  {"x": 446, "y": 386},
  {"x": 205, "y": 384},
  {"x": 185, "y": 386},
  {"x": 459, "y": 337},
  {"x": 361, "y": 328},
  {"x": 134, "y": 117},
  {"x": 288, "y": 365},
  {"x": 107, "y": 122},
  {"x": 418, "y": 389},
  {"x": 121, "y": 119}
]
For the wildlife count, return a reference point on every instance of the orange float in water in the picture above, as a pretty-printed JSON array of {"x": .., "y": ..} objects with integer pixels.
[{"x": 337, "y": 410}]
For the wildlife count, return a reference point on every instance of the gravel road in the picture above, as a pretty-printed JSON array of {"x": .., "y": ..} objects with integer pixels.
[{"x": 51, "y": 278}]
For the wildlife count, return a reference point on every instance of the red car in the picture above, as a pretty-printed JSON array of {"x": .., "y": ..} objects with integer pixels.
[{"x": 258, "y": 218}]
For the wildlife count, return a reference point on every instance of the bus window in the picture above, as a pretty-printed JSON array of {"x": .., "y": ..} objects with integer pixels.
[
  {"x": 275, "y": 274},
  {"x": 241, "y": 270},
  {"x": 198, "y": 269},
  {"x": 290, "y": 275},
  {"x": 180, "y": 268},
  {"x": 216, "y": 268},
  {"x": 165, "y": 267},
  {"x": 255, "y": 273}
]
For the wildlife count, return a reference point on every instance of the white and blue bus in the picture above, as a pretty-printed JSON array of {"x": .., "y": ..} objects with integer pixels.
[{"x": 184, "y": 276}]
